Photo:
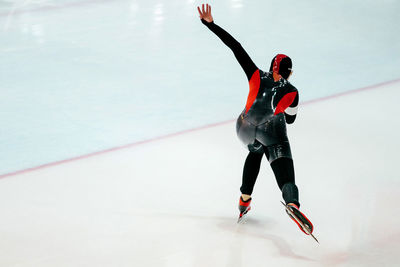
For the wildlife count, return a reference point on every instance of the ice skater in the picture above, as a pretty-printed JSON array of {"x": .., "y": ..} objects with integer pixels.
[{"x": 271, "y": 103}]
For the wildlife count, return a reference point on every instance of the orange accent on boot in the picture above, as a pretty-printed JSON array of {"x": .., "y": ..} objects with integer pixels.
[
  {"x": 305, "y": 217},
  {"x": 301, "y": 228},
  {"x": 244, "y": 203}
]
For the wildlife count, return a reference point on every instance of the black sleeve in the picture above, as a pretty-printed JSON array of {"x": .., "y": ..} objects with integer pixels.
[
  {"x": 291, "y": 111},
  {"x": 241, "y": 55}
]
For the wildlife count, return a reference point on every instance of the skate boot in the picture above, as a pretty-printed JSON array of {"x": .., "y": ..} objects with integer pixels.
[
  {"x": 300, "y": 219},
  {"x": 244, "y": 207}
]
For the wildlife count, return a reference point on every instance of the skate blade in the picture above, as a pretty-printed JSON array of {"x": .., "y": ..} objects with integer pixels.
[
  {"x": 314, "y": 238},
  {"x": 300, "y": 222},
  {"x": 242, "y": 217}
]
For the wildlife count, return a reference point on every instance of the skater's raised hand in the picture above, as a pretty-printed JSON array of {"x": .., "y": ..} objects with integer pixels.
[{"x": 205, "y": 13}]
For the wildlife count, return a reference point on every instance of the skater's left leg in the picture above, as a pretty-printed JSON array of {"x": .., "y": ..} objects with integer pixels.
[{"x": 250, "y": 172}]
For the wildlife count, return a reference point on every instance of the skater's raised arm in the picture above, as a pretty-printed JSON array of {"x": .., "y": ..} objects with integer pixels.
[{"x": 241, "y": 55}]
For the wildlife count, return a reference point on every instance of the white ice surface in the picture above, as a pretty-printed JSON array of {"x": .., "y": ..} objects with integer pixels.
[
  {"x": 172, "y": 202},
  {"x": 80, "y": 76}
]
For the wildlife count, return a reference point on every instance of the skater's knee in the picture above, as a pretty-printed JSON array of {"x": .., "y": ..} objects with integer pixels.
[
  {"x": 284, "y": 171},
  {"x": 279, "y": 151}
]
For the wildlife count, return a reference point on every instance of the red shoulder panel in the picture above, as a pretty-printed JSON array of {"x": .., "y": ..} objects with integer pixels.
[
  {"x": 254, "y": 84},
  {"x": 285, "y": 102}
]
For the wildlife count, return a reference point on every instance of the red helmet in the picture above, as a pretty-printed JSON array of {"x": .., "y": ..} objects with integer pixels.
[{"x": 281, "y": 64}]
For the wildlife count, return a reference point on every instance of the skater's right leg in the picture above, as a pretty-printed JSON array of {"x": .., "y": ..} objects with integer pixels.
[
  {"x": 284, "y": 174},
  {"x": 280, "y": 158}
]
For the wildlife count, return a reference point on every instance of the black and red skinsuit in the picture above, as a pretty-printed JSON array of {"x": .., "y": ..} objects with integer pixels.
[{"x": 262, "y": 124}]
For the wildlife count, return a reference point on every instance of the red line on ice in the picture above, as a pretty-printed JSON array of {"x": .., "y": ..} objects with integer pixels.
[
  {"x": 374, "y": 86},
  {"x": 182, "y": 132}
]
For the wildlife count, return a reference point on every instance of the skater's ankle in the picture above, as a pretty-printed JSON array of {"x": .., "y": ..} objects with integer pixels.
[
  {"x": 246, "y": 197},
  {"x": 293, "y": 205}
]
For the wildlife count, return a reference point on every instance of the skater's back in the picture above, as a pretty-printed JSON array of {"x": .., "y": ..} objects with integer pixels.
[{"x": 269, "y": 95}]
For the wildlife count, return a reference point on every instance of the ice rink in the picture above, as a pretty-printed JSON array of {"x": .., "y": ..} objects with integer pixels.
[{"x": 118, "y": 143}]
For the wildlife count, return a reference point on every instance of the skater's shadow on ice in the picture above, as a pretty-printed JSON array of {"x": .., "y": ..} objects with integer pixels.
[{"x": 256, "y": 229}]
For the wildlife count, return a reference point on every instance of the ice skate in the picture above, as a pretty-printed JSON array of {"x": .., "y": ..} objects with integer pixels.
[
  {"x": 244, "y": 207},
  {"x": 300, "y": 219}
]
